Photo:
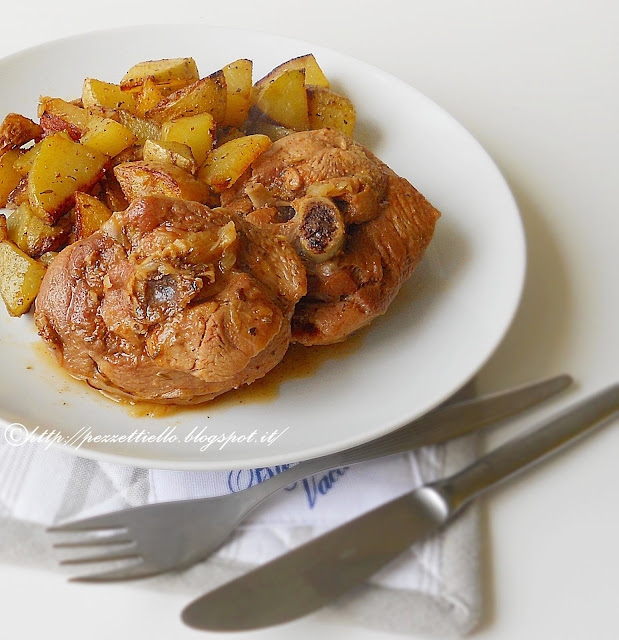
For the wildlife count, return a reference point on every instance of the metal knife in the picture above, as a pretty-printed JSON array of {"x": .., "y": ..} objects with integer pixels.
[{"x": 318, "y": 572}]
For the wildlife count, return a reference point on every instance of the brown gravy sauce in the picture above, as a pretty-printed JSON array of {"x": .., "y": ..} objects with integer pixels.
[{"x": 299, "y": 362}]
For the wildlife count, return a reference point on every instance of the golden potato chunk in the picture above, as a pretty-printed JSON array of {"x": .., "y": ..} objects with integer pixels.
[
  {"x": 147, "y": 98},
  {"x": 23, "y": 163},
  {"x": 61, "y": 168},
  {"x": 328, "y": 109},
  {"x": 284, "y": 100},
  {"x": 208, "y": 95},
  {"x": 33, "y": 236},
  {"x": 175, "y": 153},
  {"x": 238, "y": 82},
  {"x": 59, "y": 115},
  {"x": 20, "y": 278},
  {"x": 145, "y": 178},
  {"x": 9, "y": 176},
  {"x": 111, "y": 193},
  {"x": 168, "y": 71},
  {"x": 19, "y": 195},
  {"x": 197, "y": 132},
  {"x": 313, "y": 73},
  {"x": 104, "y": 95},
  {"x": 90, "y": 214},
  {"x": 16, "y": 130},
  {"x": 107, "y": 136},
  {"x": 142, "y": 129},
  {"x": 227, "y": 163}
]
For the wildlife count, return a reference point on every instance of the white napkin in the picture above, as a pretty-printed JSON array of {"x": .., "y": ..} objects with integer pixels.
[{"x": 433, "y": 588}]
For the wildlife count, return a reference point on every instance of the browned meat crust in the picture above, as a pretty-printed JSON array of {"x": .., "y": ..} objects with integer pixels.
[
  {"x": 359, "y": 228},
  {"x": 171, "y": 302}
]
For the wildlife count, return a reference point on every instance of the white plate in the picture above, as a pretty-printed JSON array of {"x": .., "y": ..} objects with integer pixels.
[{"x": 448, "y": 319}]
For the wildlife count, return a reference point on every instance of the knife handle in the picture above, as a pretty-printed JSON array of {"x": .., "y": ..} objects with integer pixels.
[{"x": 529, "y": 448}]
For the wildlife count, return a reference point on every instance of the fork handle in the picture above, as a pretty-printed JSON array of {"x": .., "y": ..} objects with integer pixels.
[{"x": 529, "y": 448}]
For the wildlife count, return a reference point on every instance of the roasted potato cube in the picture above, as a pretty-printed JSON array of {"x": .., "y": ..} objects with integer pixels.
[
  {"x": 104, "y": 112},
  {"x": 20, "y": 278},
  {"x": 197, "y": 132},
  {"x": 148, "y": 98},
  {"x": 313, "y": 73},
  {"x": 142, "y": 129},
  {"x": 328, "y": 109},
  {"x": 225, "y": 164},
  {"x": 23, "y": 163},
  {"x": 61, "y": 168},
  {"x": 208, "y": 95},
  {"x": 32, "y": 235},
  {"x": 98, "y": 94},
  {"x": 107, "y": 136},
  {"x": 139, "y": 179},
  {"x": 130, "y": 154},
  {"x": 238, "y": 82},
  {"x": 90, "y": 214},
  {"x": 175, "y": 153},
  {"x": 112, "y": 194},
  {"x": 284, "y": 100},
  {"x": 19, "y": 195},
  {"x": 59, "y": 115},
  {"x": 170, "y": 71},
  {"x": 9, "y": 177},
  {"x": 16, "y": 130}
]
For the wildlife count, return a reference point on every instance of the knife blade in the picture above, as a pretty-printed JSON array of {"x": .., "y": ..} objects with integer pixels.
[
  {"x": 316, "y": 573},
  {"x": 304, "y": 580}
]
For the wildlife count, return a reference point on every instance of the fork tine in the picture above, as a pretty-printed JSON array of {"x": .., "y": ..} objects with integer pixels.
[
  {"x": 103, "y": 522},
  {"x": 103, "y": 541},
  {"x": 104, "y": 558},
  {"x": 132, "y": 572}
]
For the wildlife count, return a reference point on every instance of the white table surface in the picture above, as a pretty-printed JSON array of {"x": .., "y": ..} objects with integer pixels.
[{"x": 537, "y": 82}]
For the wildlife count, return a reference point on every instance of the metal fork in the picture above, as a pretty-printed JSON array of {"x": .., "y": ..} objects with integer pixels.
[{"x": 175, "y": 535}]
